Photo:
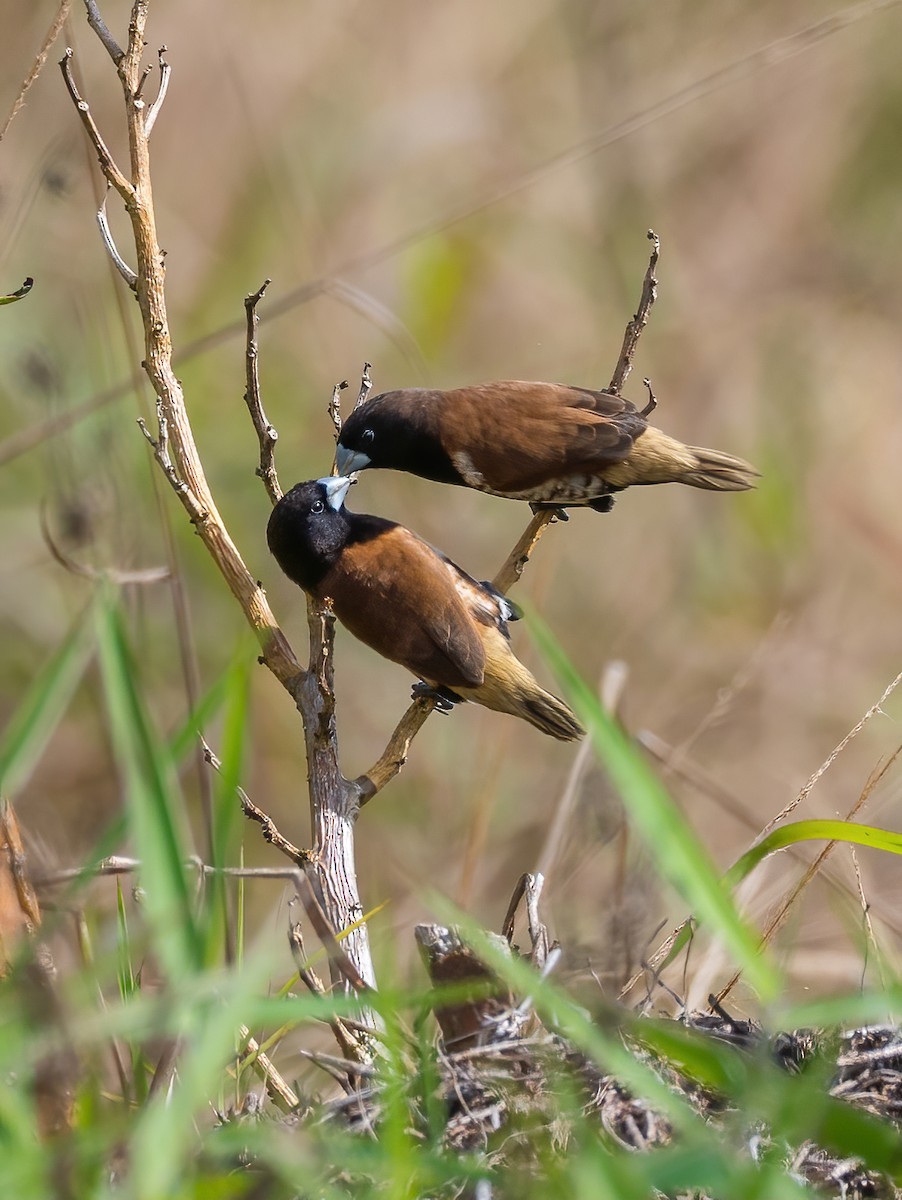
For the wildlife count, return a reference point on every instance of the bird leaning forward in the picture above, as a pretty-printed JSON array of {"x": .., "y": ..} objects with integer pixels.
[
  {"x": 547, "y": 443},
  {"x": 410, "y": 603}
]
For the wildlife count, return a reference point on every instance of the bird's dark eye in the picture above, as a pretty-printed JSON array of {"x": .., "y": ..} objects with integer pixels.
[
  {"x": 367, "y": 436},
  {"x": 317, "y": 506}
]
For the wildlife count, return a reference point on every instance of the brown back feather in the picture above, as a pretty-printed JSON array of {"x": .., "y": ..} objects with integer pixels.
[{"x": 518, "y": 434}]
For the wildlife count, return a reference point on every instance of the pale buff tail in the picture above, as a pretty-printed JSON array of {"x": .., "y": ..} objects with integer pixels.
[
  {"x": 719, "y": 472},
  {"x": 508, "y": 687},
  {"x": 550, "y": 715},
  {"x": 656, "y": 457}
]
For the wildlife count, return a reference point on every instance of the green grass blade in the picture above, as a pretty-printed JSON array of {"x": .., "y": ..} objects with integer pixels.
[
  {"x": 680, "y": 857},
  {"x": 34, "y": 722},
  {"x": 228, "y": 819},
  {"x": 208, "y": 1034},
  {"x": 152, "y": 800},
  {"x": 813, "y": 831}
]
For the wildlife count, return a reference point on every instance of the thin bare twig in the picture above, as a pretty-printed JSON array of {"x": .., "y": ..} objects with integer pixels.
[
  {"x": 154, "y": 111},
  {"x": 104, "y": 157},
  {"x": 266, "y": 432},
  {"x": 640, "y": 320},
  {"x": 118, "y": 261},
  {"x": 394, "y": 756},
  {"x": 366, "y": 385},
  {"x": 276, "y": 1088},
  {"x": 529, "y": 887},
  {"x": 334, "y": 411},
  {"x": 96, "y": 21},
  {"x": 253, "y": 813},
  {"x": 355, "y": 1039}
]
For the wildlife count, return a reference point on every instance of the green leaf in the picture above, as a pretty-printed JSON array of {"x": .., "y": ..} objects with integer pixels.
[
  {"x": 813, "y": 831},
  {"x": 26, "y": 736},
  {"x": 680, "y": 857},
  {"x": 154, "y": 802}
]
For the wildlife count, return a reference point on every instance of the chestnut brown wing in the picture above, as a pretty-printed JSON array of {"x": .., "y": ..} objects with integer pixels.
[
  {"x": 396, "y": 594},
  {"x": 518, "y": 435}
]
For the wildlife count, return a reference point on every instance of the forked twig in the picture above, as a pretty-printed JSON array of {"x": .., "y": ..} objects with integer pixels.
[
  {"x": 269, "y": 829},
  {"x": 266, "y": 432}
]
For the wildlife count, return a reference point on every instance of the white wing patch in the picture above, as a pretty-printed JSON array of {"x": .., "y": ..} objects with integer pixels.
[
  {"x": 465, "y": 467},
  {"x": 498, "y": 610}
]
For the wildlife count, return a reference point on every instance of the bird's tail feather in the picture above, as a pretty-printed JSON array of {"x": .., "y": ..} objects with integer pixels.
[
  {"x": 719, "y": 472},
  {"x": 509, "y": 687},
  {"x": 551, "y": 715}
]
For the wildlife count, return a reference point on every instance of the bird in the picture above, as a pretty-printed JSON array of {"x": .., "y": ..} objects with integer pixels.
[
  {"x": 410, "y": 603},
  {"x": 547, "y": 443}
]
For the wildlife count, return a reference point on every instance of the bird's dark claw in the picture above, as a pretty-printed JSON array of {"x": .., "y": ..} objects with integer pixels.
[
  {"x": 443, "y": 698},
  {"x": 558, "y": 513}
]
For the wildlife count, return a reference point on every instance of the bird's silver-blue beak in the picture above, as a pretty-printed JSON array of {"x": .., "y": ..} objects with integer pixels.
[
  {"x": 336, "y": 488},
  {"x": 349, "y": 461}
]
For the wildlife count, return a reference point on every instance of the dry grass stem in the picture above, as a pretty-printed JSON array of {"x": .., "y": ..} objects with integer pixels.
[
  {"x": 831, "y": 758},
  {"x": 37, "y": 66}
]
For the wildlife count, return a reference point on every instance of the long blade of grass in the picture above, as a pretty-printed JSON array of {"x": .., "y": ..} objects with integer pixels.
[
  {"x": 681, "y": 858},
  {"x": 152, "y": 799},
  {"x": 813, "y": 831},
  {"x": 228, "y": 820},
  {"x": 33, "y": 724}
]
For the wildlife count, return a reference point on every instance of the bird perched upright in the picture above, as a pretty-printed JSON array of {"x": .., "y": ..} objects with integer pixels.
[
  {"x": 543, "y": 442},
  {"x": 410, "y": 603}
]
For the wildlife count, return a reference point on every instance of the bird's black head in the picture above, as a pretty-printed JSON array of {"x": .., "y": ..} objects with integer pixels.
[
  {"x": 400, "y": 431},
  {"x": 309, "y": 528}
]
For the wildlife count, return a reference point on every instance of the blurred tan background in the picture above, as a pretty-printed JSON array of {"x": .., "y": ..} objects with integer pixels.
[{"x": 410, "y": 161}]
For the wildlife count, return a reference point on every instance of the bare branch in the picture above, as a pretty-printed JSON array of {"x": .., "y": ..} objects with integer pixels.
[
  {"x": 347, "y": 1032},
  {"x": 96, "y": 21},
  {"x": 325, "y": 932},
  {"x": 276, "y": 1087},
  {"x": 130, "y": 63},
  {"x": 334, "y": 411},
  {"x": 520, "y": 555},
  {"x": 528, "y": 886},
  {"x": 107, "y": 164},
  {"x": 160, "y": 446},
  {"x": 366, "y": 384},
  {"x": 140, "y": 88},
  {"x": 640, "y": 320},
  {"x": 266, "y": 433},
  {"x": 394, "y": 756},
  {"x": 119, "y": 262},
  {"x": 652, "y": 398},
  {"x": 154, "y": 111},
  {"x": 253, "y": 813}
]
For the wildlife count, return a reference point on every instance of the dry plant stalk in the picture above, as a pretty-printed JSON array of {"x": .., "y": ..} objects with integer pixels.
[{"x": 334, "y": 800}]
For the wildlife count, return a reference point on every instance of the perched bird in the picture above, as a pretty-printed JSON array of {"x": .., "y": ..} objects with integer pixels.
[
  {"x": 410, "y": 603},
  {"x": 543, "y": 442}
]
